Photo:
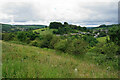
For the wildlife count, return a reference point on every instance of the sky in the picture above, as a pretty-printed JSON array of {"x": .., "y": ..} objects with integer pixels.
[{"x": 89, "y": 13}]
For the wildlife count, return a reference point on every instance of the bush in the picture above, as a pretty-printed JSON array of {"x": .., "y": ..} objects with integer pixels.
[
  {"x": 8, "y": 36},
  {"x": 72, "y": 46},
  {"x": 91, "y": 40},
  {"x": 61, "y": 45},
  {"x": 26, "y": 36},
  {"x": 21, "y": 36},
  {"x": 108, "y": 49},
  {"x": 45, "y": 41},
  {"x": 77, "y": 46},
  {"x": 36, "y": 43},
  {"x": 114, "y": 34},
  {"x": 107, "y": 53},
  {"x": 53, "y": 41}
]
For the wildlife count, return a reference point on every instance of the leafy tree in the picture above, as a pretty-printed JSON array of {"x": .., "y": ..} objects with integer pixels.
[
  {"x": 61, "y": 45},
  {"x": 77, "y": 46},
  {"x": 114, "y": 34},
  {"x": 91, "y": 40},
  {"x": 55, "y": 25},
  {"x": 21, "y": 36},
  {"x": 54, "y": 40},
  {"x": 46, "y": 40},
  {"x": 84, "y": 28},
  {"x": 102, "y": 34},
  {"x": 65, "y": 23},
  {"x": 8, "y": 36}
]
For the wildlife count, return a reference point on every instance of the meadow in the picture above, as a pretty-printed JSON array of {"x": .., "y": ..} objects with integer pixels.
[{"x": 21, "y": 61}]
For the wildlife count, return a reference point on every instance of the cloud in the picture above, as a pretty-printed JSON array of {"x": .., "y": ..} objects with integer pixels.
[{"x": 75, "y": 12}]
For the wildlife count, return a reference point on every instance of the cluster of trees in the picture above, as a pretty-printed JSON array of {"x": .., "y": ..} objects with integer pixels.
[
  {"x": 114, "y": 34},
  {"x": 65, "y": 28},
  {"x": 102, "y": 34},
  {"x": 108, "y": 52},
  {"x": 91, "y": 40},
  {"x": 23, "y": 36},
  {"x": 68, "y": 44}
]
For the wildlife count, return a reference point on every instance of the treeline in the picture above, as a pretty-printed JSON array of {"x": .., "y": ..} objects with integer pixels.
[
  {"x": 74, "y": 45},
  {"x": 65, "y": 28}
]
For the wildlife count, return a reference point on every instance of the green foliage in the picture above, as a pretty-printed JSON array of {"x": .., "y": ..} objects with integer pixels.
[
  {"x": 26, "y": 36},
  {"x": 45, "y": 42},
  {"x": 8, "y": 36},
  {"x": 55, "y": 25},
  {"x": 76, "y": 46},
  {"x": 102, "y": 34},
  {"x": 114, "y": 34},
  {"x": 21, "y": 36},
  {"x": 61, "y": 45},
  {"x": 36, "y": 43},
  {"x": 106, "y": 53},
  {"x": 65, "y": 28},
  {"x": 53, "y": 41},
  {"x": 91, "y": 40},
  {"x": 72, "y": 46}
]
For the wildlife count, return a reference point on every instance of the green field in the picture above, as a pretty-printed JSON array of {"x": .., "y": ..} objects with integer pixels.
[
  {"x": 44, "y": 31},
  {"x": 23, "y": 61},
  {"x": 103, "y": 39}
]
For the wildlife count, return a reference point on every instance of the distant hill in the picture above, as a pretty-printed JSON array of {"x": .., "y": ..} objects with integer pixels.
[
  {"x": 103, "y": 26},
  {"x": 107, "y": 26},
  {"x": 13, "y": 28}
]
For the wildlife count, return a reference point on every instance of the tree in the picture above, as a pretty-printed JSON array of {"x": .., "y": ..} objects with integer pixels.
[
  {"x": 21, "y": 36},
  {"x": 91, "y": 40},
  {"x": 114, "y": 34},
  {"x": 55, "y": 25},
  {"x": 65, "y": 23},
  {"x": 84, "y": 28}
]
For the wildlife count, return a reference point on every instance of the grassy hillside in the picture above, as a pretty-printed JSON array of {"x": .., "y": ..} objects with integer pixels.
[
  {"x": 44, "y": 31},
  {"x": 21, "y": 61},
  {"x": 13, "y": 28}
]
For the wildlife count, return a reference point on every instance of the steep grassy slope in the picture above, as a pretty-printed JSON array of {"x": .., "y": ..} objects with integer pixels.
[{"x": 20, "y": 61}]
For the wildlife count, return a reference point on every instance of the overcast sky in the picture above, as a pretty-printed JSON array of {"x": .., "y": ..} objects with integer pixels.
[{"x": 80, "y": 12}]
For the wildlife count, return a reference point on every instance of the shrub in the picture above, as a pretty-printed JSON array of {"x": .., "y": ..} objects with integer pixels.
[
  {"x": 26, "y": 36},
  {"x": 8, "y": 36},
  {"x": 36, "y": 43},
  {"x": 77, "y": 46},
  {"x": 108, "y": 49},
  {"x": 114, "y": 34},
  {"x": 91, "y": 40},
  {"x": 33, "y": 43},
  {"x": 21, "y": 36},
  {"x": 61, "y": 45},
  {"x": 107, "y": 54},
  {"x": 45, "y": 41},
  {"x": 53, "y": 41}
]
